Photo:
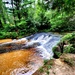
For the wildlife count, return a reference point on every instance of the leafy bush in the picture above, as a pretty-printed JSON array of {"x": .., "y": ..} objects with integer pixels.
[
  {"x": 30, "y": 17},
  {"x": 12, "y": 35},
  {"x": 68, "y": 45},
  {"x": 69, "y": 37},
  {"x": 60, "y": 21},
  {"x": 69, "y": 49}
]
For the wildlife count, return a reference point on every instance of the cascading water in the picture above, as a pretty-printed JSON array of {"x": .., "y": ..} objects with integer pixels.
[
  {"x": 43, "y": 42},
  {"x": 26, "y": 53}
]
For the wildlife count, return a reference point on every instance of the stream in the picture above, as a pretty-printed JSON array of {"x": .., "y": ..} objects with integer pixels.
[{"x": 25, "y": 56}]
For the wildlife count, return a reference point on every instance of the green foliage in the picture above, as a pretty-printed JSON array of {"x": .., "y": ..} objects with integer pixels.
[
  {"x": 41, "y": 70},
  {"x": 60, "y": 21},
  {"x": 57, "y": 53},
  {"x": 30, "y": 17},
  {"x": 69, "y": 37},
  {"x": 3, "y": 15},
  {"x": 47, "y": 65},
  {"x": 12, "y": 35},
  {"x": 69, "y": 49},
  {"x": 45, "y": 62},
  {"x": 68, "y": 45},
  {"x": 66, "y": 5}
]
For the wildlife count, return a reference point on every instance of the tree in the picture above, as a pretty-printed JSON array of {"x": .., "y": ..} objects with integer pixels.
[
  {"x": 2, "y": 14},
  {"x": 64, "y": 5}
]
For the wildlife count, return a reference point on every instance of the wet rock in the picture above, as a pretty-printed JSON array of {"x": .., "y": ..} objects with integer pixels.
[{"x": 23, "y": 71}]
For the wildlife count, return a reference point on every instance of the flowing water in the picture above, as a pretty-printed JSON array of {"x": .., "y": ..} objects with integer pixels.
[
  {"x": 43, "y": 42},
  {"x": 26, "y": 55}
]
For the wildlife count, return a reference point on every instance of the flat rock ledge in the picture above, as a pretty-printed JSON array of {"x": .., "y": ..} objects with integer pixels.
[{"x": 65, "y": 65}]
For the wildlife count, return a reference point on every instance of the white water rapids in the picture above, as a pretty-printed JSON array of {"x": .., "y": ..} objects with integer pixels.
[
  {"x": 25, "y": 56},
  {"x": 43, "y": 42}
]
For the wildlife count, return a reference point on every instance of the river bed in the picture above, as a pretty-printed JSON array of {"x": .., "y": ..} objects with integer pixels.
[{"x": 27, "y": 59}]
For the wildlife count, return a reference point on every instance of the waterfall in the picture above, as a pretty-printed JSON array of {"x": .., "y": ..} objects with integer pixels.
[
  {"x": 31, "y": 52},
  {"x": 43, "y": 42}
]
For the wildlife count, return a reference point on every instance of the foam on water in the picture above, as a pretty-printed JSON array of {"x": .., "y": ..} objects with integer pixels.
[
  {"x": 24, "y": 60},
  {"x": 44, "y": 43}
]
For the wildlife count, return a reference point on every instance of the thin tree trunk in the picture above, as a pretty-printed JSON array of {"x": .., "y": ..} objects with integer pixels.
[{"x": 13, "y": 11}]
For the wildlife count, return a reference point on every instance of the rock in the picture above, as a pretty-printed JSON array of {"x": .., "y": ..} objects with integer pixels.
[{"x": 60, "y": 66}]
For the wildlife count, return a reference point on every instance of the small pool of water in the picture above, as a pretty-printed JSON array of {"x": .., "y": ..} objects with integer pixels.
[
  {"x": 20, "y": 62},
  {"x": 24, "y": 56}
]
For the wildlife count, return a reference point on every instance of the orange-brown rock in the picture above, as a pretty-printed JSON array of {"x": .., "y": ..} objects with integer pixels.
[{"x": 5, "y": 40}]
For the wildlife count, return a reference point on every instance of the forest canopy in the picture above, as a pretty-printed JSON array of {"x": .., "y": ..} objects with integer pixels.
[{"x": 25, "y": 17}]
